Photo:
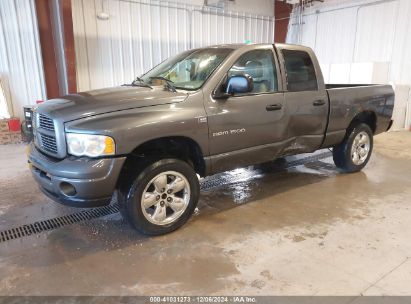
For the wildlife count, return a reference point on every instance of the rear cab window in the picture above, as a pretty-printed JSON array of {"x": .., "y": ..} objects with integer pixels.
[{"x": 300, "y": 71}]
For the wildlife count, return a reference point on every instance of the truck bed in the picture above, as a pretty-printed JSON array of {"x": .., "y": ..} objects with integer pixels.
[
  {"x": 347, "y": 100},
  {"x": 341, "y": 86}
]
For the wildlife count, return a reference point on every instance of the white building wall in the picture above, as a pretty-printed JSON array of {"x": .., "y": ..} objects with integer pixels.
[
  {"x": 140, "y": 34},
  {"x": 354, "y": 31},
  {"x": 259, "y": 7},
  {"x": 21, "y": 67}
]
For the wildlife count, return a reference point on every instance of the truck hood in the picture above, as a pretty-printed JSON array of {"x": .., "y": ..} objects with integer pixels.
[{"x": 90, "y": 103}]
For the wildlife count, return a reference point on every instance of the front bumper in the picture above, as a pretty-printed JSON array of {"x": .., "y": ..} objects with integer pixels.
[{"x": 76, "y": 182}]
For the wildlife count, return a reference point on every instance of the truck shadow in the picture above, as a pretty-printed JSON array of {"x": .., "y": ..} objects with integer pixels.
[
  {"x": 250, "y": 200},
  {"x": 241, "y": 187}
]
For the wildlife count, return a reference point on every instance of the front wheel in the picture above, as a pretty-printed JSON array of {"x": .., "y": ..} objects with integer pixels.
[
  {"x": 355, "y": 151},
  {"x": 161, "y": 198}
]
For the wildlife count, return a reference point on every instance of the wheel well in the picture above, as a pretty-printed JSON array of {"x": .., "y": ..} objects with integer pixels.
[
  {"x": 179, "y": 147},
  {"x": 367, "y": 117}
]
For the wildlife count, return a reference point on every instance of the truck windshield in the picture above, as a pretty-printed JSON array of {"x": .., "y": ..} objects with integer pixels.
[{"x": 188, "y": 70}]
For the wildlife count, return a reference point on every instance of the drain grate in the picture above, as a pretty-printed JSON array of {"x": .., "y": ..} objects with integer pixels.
[
  {"x": 309, "y": 159},
  {"x": 221, "y": 179},
  {"x": 58, "y": 222}
]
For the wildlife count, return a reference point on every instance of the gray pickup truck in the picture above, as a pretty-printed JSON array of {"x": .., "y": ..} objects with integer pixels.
[{"x": 198, "y": 113}]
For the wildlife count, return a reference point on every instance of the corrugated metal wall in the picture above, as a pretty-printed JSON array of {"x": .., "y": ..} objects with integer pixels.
[
  {"x": 141, "y": 34},
  {"x": 354, "y": 31},
  {"x": 348, "y": 31},
  {"x": 21, "y": 67},
  {"x": 344, "y": 31}
]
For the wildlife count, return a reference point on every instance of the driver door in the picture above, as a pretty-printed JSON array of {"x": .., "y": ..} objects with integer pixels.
[{"x": 248, "y": 128}]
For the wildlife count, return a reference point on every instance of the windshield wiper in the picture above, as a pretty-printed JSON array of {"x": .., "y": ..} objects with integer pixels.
[
  {"x": 138, "y": 82},
  {"x": 169, "y": 84}
]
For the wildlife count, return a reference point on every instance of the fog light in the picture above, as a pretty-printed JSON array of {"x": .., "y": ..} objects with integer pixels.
[{"x": 67, "y": 189}]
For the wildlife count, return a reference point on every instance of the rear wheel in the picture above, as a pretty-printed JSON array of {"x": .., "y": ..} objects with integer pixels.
[
  {"x": 355, "y": 151},
  {"x": 161, "y": 198}
]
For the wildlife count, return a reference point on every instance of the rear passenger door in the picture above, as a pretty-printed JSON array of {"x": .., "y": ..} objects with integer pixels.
[{"x": 306, "y": 100}]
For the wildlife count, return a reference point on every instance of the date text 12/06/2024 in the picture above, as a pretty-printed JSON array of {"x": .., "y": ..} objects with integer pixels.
[{"x": 204, "y": 299}]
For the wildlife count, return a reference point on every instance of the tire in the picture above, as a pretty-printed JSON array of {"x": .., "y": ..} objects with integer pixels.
[
  {"x": 171, "y": 190},
  {"x": 358, "y": 138}
]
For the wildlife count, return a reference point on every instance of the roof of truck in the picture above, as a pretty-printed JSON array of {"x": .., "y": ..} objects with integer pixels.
[
  {"x": 235, "y": 45},
  {"x": 249, "y": 45}
]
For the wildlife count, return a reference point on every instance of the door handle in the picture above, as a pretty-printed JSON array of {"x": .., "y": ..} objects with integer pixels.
[
  {"x": 319, "y": 102},
  {"x": 274, "y": 107}
]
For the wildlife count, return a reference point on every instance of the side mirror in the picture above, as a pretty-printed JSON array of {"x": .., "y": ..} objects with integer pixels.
[
  {"x": 236, "y": 84},
  {"x": 239, "y": 84}
]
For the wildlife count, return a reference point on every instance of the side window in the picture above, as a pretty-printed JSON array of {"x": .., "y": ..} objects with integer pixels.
[
  {"x": 300, "y": 71},
  {"x": 260, "y": 66}
]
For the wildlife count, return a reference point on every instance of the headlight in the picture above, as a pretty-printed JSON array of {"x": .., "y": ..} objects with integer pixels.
[{"x": 90, "y": 145}]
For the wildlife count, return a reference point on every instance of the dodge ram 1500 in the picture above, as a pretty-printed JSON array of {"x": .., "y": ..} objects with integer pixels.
[{"x": 200, "y": 112}]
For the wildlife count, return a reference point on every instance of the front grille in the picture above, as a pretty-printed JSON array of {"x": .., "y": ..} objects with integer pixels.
[
  {"x": 48, "y": 143},
  {"x": 46, "y": 137},
  {"x": 45, "y": 123}
]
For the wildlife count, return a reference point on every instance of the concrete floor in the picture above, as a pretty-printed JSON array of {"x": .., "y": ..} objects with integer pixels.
[{"x": 309, "y": 230}]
